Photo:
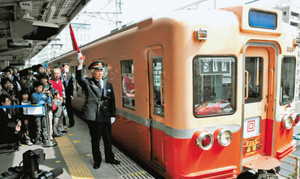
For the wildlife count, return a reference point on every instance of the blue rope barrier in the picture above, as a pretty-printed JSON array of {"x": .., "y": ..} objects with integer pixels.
[{"x": 21, "y": 106}]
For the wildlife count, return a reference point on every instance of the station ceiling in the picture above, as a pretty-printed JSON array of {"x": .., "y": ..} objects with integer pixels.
[{"x": 26, "y": 27}]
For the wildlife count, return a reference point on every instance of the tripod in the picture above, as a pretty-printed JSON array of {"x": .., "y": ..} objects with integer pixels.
[{"x": 49, "y": 142}]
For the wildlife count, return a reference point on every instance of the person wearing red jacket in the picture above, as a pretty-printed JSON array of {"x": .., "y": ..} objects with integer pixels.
[{"x": 58, "y": 86}]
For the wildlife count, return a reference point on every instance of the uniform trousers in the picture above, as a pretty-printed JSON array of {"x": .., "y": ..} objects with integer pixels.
[
  {"x": 70, "y": 111},
  {"x": 98, "y": 129}
]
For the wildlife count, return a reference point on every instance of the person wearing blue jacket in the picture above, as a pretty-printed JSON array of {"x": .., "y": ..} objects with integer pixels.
[{"x": 39, "y": 97}]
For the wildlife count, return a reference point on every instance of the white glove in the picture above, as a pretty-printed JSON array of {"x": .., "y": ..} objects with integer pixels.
[
  {"x": 112, "y": 120},
  {"x": 80, "y": 57}
]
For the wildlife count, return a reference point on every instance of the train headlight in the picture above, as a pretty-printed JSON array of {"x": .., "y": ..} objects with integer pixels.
[
  {"x": 224, "y": 137},
  {"x": 205, "y": 140},
  {"x": 287, "y": 121},
  {"x": 296, "y": 118}
]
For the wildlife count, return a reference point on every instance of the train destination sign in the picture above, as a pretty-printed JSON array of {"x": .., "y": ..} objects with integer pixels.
[{"x": 213, "y": 67}]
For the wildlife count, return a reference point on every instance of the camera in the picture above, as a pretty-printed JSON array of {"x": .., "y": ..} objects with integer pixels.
[{"x": 30, "y": 168}]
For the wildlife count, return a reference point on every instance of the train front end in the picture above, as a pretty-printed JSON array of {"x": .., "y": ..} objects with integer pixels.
[{"x": 238, "y": 70}]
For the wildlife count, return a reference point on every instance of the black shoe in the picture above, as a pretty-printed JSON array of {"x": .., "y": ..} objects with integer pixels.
[
  {"x": 59, "y": 134},
  {"x": 37, "y": 142},
  {"x": 71, "y": 124},
  {"x": 114, "y": 161},
  {"x": 96, "y": 165},
  {"x": 14, "y": 146}
]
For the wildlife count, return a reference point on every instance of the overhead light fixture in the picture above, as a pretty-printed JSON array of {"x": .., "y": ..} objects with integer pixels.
[
  {"x": 27, "y": 6},
  {"x": 20, "y": 44}
]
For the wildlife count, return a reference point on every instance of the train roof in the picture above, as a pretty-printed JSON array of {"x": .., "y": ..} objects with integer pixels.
[{"x": 219, "y": 18}]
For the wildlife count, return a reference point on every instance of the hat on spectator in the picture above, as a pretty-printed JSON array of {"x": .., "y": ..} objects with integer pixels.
[{"x": 97, "y": 65}]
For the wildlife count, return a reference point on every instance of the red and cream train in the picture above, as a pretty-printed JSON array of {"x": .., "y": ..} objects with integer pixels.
[{"x": 202, "y": 94}]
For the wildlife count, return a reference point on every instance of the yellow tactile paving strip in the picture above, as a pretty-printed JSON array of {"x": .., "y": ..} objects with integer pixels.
[{"x": 76, "y": 165}]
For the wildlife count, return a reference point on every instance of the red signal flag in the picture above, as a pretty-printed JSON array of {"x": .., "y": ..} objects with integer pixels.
[{"x": 74, "y": 42}]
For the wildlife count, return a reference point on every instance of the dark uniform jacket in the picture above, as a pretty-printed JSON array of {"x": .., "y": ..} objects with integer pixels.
[
  {"x": 99, "y": 103},
  {"x": 68, "y": 87},
  {"x": 7, "y": 125}
]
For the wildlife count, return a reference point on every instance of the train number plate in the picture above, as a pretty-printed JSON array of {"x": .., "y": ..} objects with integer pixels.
[{"x": 252, "y": 127}]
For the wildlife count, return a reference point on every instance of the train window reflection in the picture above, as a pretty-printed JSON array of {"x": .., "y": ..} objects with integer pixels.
[
  {"x": 254, "y": 66},
  {"x": 158, "y": 86},
  {"x": 288, "y": 67},
  {"x": 128, "y": 92},
  {"x": 214, "y": 85}
]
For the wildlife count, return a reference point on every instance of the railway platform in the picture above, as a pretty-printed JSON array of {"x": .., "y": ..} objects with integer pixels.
[{"x": 73, "y": 154}]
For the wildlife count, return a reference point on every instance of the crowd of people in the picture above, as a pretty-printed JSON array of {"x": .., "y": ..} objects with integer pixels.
[{"x": 35, "y": 104}]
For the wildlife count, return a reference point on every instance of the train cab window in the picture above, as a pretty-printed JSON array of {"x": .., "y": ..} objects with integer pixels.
[
  {"x": 254, "y": 67},
  {"x": 158, "y": 86},
  {"x": 287, "y": 86},
  {"x": 214, "y": 85},
  {"x": 128, "y": 93}
]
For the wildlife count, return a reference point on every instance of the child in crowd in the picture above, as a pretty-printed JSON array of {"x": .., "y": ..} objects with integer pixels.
[
  {"x": 38, "y": 97},
  {"x": 25, "y": 117},
  {"x": 49, "y": 91},
  {"x": 57, "y": 113}
]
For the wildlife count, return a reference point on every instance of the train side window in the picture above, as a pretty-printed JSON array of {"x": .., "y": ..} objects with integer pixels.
[
  {"x": 287, "y": 86},
  {"x": 128, "y": 92},
  {"x": 158, "y": 86},
  {"x": 214, "y": 85},
  {"x": 254, "y": 66}
]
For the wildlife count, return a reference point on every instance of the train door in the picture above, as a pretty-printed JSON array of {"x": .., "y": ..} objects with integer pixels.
[
  {"x": 256, "y": 107},
  {"x": 156, "y": 87}
]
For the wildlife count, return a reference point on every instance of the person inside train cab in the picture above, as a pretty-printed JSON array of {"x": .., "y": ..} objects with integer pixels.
[
  {"x": 252, "y": 92},
  {"x": 128, "y": 86},
  {"x": 99, "y": 110}
]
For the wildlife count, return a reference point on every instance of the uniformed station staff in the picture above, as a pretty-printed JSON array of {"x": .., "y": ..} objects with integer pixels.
[{"x": 99, "y": 109}]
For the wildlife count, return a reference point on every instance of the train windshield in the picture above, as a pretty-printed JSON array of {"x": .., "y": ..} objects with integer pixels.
[
  {"x": 287, "y": 86},
  {"x": 214, "y": 85}
]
